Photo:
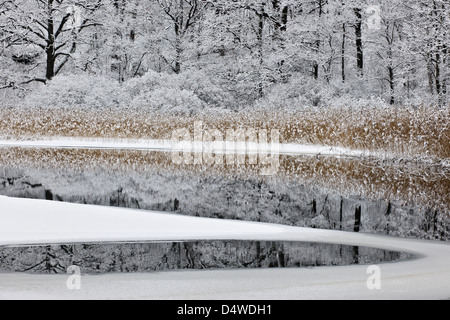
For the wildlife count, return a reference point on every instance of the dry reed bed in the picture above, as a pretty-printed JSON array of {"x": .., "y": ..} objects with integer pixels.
[{"x": 421, "y": 132}]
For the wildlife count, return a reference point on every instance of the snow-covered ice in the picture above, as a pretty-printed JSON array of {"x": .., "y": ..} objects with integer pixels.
[
  {"x": 35, "y": 221},
  {"x": 27, "y": 221}
]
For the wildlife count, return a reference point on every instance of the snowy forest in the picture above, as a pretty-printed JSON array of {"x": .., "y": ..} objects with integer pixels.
[
  {"x": 134, "y": 137},
  {"x": 233, "y": 54}
]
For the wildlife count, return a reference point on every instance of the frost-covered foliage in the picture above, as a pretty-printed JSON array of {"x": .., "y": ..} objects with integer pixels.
[
  {"x": 76, "y": 92},
  {"x": 212, "y": 94},
  {"x": 231, "y": 53},
  {"x": 301, "y": 93},
  {"x": 185, "y": 93},
  {"x": 298, "y": 93},
  {"x": 168, "y": 100},
  {"x": 161, "y": 92},
  {"x": 188, "y": 93}
]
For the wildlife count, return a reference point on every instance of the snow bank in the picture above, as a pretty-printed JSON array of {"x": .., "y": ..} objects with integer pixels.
[{"x": 27, "y": 221}]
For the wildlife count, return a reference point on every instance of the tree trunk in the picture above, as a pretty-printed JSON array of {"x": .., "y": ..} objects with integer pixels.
[
  {"x": 430, "y": 74},
  {"x": 178, "y": 53},
  {"x": 357, "y": 225},
  {"x": 446, "y": 73},
  {"x": 284, "y": 18},
  {"x": 50, "y": 51},
  {"x": 388, "y": 217},
  {"x": 437, "y": 75},
  {"x": 317, "y": 45},
  {"x": 316, "y": 71},
  {"x": 359, "y": 44},
  {"x": 276, "y": 15},
  {"x": 343, "y": 53},
  {"x": 390, "y": 69},
  {"x": 260, "y": 38},
  {"x": 356, "y": 255},
  {"x": 391, "y": 85},
  {"x": 50, "y": 70}
]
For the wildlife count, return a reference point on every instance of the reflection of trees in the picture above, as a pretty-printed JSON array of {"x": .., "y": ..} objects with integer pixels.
[{"x": 102, "y": 258}]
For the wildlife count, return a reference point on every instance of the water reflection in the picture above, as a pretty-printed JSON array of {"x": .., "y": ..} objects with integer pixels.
[
  {"x": 416, "y": 182},
  {"x": 147, "y": 257}
]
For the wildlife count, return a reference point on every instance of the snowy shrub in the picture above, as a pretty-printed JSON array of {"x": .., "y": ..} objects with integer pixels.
[
  {"x": 422, "y": 99},
  {"x": 170, "y": 100},
  {"x": 205, "y": 88},
  {"x": 299, "y": 92},
  {"x": 193, "y": 88},
  {"x": 349, "y": 102},
  {"x": 150, "y": 81},
  {"x": 77, "y": 91}
]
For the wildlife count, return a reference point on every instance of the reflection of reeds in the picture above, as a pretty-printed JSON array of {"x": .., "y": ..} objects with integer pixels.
[
  {"x": 415, "y": 183},
  {"x": 404, "y": 131}
]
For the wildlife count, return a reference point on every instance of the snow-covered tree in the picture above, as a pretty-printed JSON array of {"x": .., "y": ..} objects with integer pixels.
[
  {"x": 48, "y": 28},
  {"x": 183, "y": 15}
]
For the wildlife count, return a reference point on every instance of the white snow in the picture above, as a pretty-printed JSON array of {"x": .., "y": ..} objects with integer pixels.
[
  {"x": 189, "y": 146},
  {"x": 36, "y": 221},
  {"x": 25, "y": 221}
]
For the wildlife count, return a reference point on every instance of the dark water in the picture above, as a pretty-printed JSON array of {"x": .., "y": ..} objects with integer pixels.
[{"x": 148, "y": 257}]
